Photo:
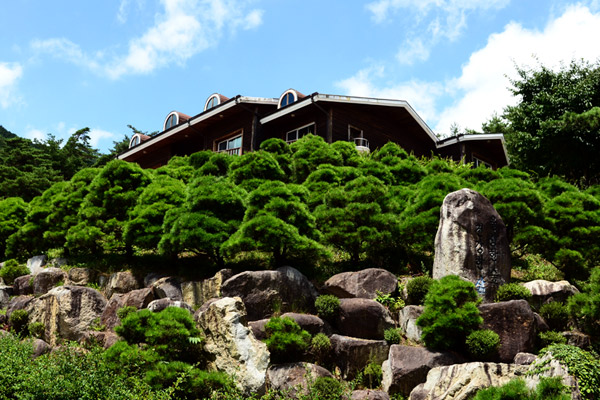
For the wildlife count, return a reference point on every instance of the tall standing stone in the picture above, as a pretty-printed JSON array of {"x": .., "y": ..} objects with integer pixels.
[{"x": 471, "y": 242}]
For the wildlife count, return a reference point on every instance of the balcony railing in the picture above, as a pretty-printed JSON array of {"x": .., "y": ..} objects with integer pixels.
[
  {"x": 232, "y": 152},
  {"x": 362, "y": 144}
]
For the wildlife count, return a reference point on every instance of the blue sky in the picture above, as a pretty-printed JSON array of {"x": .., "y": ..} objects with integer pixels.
[{"x": 67, "y": 64}]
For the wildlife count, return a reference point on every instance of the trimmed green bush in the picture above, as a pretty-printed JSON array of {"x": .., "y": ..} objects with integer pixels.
[
  {"x": 585, "y": 307},
  {"x": 417, "y": 288},
  {"x": 325, "y": 388},
  {"x": 12, "y": 270},
  {"x": 483, "y": 344},
  {"x": 320, "y": 346},
  {"x": 372, "y": 375},
  {"x": 18, "y": 321},
  {"x": 286, "y": 340},
  {"x": 551, "y": 337},
  {"x": 450, "y": 313},
  {"x": 36, "y": 329},
  {"x": 123, "y": 312},
  {"x": 556, "y": 315},
  {"x": 512, "y": 291},
  {"x": 393, "y": 335},
  {"x": 328, "y": 306}
]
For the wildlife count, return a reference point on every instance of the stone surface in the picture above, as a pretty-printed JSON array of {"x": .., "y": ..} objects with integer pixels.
[
  {"x": 199, "y": 292},
  {"x": 311, "y": 323},
  {"x": 139, "y": 299},
  {"x": 67, "y": 312},
  {"x": 5, "y": 293},
  {"x": 369, "y": 395},
  {"x": 471, "y": 242},
  {"x": 524, "y": 358},
  {"x": 35, "y": 264},
  {"x": 407, "y": 321},
  {"x": 364, "y": 284},
  {"x": 515, "y": 323},
  {"x": 363, "y": 318},
  {"x": 263, "y": 292},
  {"x": 407, "y": 367},
  {"x": 168, "y": 288},
  {"x": 40, "y": 347},
  {"x": 80, "y": 276},
  {"x": 294, "y": 378},
  {"x": 547, "y": 366},
  {"x": 18, "y": 303},
  {"x": 23, "y": 285},
  {"x": 351, "y": 354},
  {"x": 545, "y": 291},
  {"x": 578, "y": 339},
  {"x": 232, "y": 345},
  {"x": 121, "y": 282},
  {"x": 161, "y": 304},
  {"x": 46, "y": 279},
  {"x": 258, "y": 328}
]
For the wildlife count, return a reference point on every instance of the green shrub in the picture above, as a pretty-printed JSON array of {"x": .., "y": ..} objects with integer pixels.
[
  {"x": 581, "y": 364},
  {"x": 328, "y": 306},
  {"x": 512, "y": 291},
  {"x": 516, "y": 389},
  {"x": 483, "y": 344},
  {"x": 556, "y": 315},
  {"x": 36, "y": 329},
  {"x": 123, "y": 312},
  {"x": 551, "y": 337},
  {"x": 585, "y": 307},
  {"x": 417, "y": 288},
  {"x": 371, "y": 375},
  {"x": 320, "y": 347},
  {"x": 12, "y": 270},
  {"x": 450, "y": 313},
  {"x": 539, "y": 268},
  {"x": 286, "y": 340},
  {"x": 393, "y": 335},
  {"x": 18, "y": 321},
  {"x": 391, "y": 303},
  {"x": 325, "y": 388}
]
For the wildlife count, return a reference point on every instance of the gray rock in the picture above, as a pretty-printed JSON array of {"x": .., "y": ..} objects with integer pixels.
[
  {"x": 471, "y": 242},
  {"x": 294, "y": 379},
  {"x": 46, "y": 279},
  {"x": 369, "y": 394},
  {"x": 363, "y": 318},
  {"x": 80, "y": 276},
  {"x": 199, "y": 292},
  {"x": 35, "y": 264},
  {"x": 364, "y": 284},
  {"x": 515, "y": 323},
  {"x": 18, "y": 303},
  {"x": 545, "y": 291},
  {"x": 139, "y": 299},
  {"x": 258, "y": 328},
  {"x": 5, "y": 294},
  {"x": 311, "y": 323},
  {"x": 407, "y": 320},
  {"x": 23, "y": 285},
  {"x": 524, "y": 358},
  {"x": 161, "y": 304},
  {"x": 264, "y": 292},
  {"x": 232, "y": 345},
  {"x": 407, "y": 367},
  {"x": 168, "y": 288},
  {"x": 351, "y": 354},
  {"x": 40, "y": 347},
  {"x": 121, "y": 282},
  {"x": 578, "y": 339}
]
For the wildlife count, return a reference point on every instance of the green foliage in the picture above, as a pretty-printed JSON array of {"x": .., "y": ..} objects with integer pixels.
[
  {"x": 512, "y": 291},
  {"x": 123, "y": 312},
  {"x": 584, "y": 307},
  {"x": 12, "y": 270},
  {"x": 12, "y": 215},
  {"x": 371, "y": 375},
  {"x": 286, "y": 340},
  {"x": 320, "y": 347},
  {"x": 547, "y": 389},
  {"x": 581, "y": 364},
  {"x": 326, "y": 388},
  {"x": 536, "y": 267},
  {"x": 18, "y": 321},
  {"x": 450, "y": 313},
  {"x": 388, "y": 301},
  {"x": 551, "y": 337},
  {"x": 417, "y": 289},
  {"x": 483, "y": 344},
  {"x": 393, "y": 335},
  {"x": 556, "y": 315},
  {"x": 328, "y": 306},
  {"x": 308, "y": 153},
  {"x": 36, "y": 329},
  {"x": 257, "y": 167}
]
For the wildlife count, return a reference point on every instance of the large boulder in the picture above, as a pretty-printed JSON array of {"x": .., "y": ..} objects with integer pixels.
[
  {"x": 67, "y": 312},
  {"x": 471, "y": 242},
  {"x": 161, "y": 304},
  {"x": 23, "y": 285},
  {"x": 545, "y": 291},
  {"x": 168, "y": 288},
  {"x": 121, "y": 282},
  {"x": 407, "y": 367},
  {"x": 407, "y": 321},
  {"x": 364, "y": 284},
  {"x": 265, "y": 292},
  {"x": 5, "y": 293},
  {"x": 232, "y": 345},
  {"x": 139, "y": 299},
  {"x": 80, "y": 276},
  {"x": 197, "y": 293},
  {"x": 351, "y": 354},
  {"x": 46, "y": 279},
  {"x": 294, "y": 379},
  {"x": 311, "y": 323},
  {"x": 363, "y": 318},
  {"x": 515, "y": 323}
]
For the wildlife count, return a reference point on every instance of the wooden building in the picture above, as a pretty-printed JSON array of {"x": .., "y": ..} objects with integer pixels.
[{"x": 238, "y": 125}]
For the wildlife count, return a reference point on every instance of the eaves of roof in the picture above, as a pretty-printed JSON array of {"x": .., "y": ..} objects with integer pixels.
[{"x": 475, "y": 137}]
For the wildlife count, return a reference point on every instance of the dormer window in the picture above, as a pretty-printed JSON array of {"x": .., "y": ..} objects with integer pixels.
[
  {"x": 135, "y": 140},
  {"x": 212, "y": 102},
  {"x": 287, "y": 98},
  {"x": 171, "y": 121}
]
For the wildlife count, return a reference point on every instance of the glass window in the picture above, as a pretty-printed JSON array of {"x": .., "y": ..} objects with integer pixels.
[
  {"x": 171, "y": 121},
  {"x": 212, "y": 102},
  {"x": 287, "y": 99},
  {"x": 477, "y": 162},
  {"x": 231, "y": 146},
  {"x": 296, "y": 134},
  {"x": 134, "y": 141}
]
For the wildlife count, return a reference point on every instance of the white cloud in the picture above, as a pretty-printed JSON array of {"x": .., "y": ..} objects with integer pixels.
[
  {"x": 10, "y": 73},
  {"x": 482, "y": 87},
  {"x": 99, "y": 135},
  {"x": 184, "y": 29},
  {"x": 32, "y": 133},
  {"x": 413, "y": 50}
]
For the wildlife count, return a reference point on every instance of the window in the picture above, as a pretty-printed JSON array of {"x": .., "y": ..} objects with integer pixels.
[
  {"x": 135, "y": 140},
  {"x": 212, "y": 102},
  {"x": 171, "y": 121},
  {"x": 477, "y": 162},
  {"x": 231, "y": 146},
  {"x": 356, "y": 136},
  {"x": 288, "y": 98},
  {"x": 296, "y": 134}
]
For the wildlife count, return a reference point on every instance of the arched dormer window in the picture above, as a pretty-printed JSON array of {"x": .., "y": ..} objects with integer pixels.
[
  {"x": 171, "y": 121},
  {"x": 138, "y": 138},
  {"x": 213, "y": 101},
  {"x": 287, "y": 98}
]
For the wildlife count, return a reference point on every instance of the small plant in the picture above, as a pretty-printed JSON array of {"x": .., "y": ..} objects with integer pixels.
[
  {"x": 547, "y": 389},
  {"x": 123, "y": 312},
  {"x": 555, "y": 314},
  {"x": 325, "y": 388},
  {"x": 36, "y": 329},
  {"x": 18, "y": 321},
  {"x": 12, "y": 270},
  {"x": 393, "y": 335},
  {"x": 513, "y": 291},
  {"x": 551, "y": 337},
  {"x": 417, "y": 288},
  {"x": 483, "y": 344},
  {"x": 328, "y": 306},
  {"x": 94, "y": 285},
  {"x": 286, "y": 340},
  {"x": 371, "y": 376},
  {"x": 320, "y": 347},
  {"x": 391, "y": 303},
  {"x": 97, "y": 326}
]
